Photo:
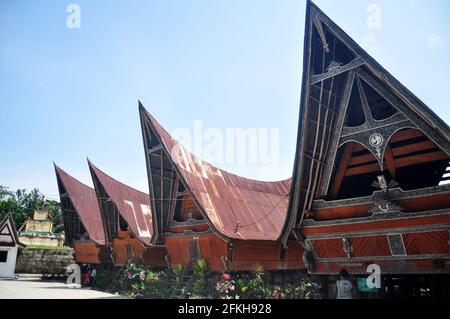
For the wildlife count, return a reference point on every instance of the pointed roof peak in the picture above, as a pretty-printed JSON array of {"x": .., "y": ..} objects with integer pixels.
[
  {"x": 56, "y": 166},
  {"x": 143, "y": 109},
  {"x": 132, "y": 204},
  {"x": 97, "y": 171},
  {"x": 10, "y": 220},
  {"x": 59, "y": 171},
  {"x": 84, "y": 200}
]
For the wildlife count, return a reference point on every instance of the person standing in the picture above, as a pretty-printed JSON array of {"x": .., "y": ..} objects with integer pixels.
[
  {"x": 344, "y": 286},
  {"x": 92, "y": 277},
  {"x": 86, "y": 279}
]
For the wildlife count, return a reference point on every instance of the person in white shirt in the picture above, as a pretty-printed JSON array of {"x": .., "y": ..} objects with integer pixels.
[
  {"x": 92, "y": 277},
  {"x": 343, "y": 286}
]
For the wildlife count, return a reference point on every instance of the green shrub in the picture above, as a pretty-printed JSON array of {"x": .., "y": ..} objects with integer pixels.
[
  {"x": 200, "y": 268},
  {"x": 178, "y": 271},
  {"x": 138, "y": 280}
]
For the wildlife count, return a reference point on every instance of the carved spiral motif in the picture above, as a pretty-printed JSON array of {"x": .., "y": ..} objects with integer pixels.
[{"x": 376, "y": 140}]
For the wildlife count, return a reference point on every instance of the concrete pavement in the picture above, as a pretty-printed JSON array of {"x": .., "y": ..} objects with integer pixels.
[{"x": 32, "y": 287}]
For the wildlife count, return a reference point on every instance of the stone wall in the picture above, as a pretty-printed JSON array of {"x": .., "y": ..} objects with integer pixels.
[{"x": 45, "y": 261}]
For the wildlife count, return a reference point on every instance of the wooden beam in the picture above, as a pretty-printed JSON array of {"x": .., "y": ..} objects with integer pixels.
[
  {"x": 406, "y": 149},
  {"x": 398, "y": 163},
  {"x": 367, "y": 158},
  {"x": 359, "y": 147},
  {"x": 321, "y": 32},
  {"x": 364, "y": 102},
  {"x": 390, "y": 163},
  {"x": 340, "y": 173},
  {"x": 421, "y": 159},
  {"x": 364, "y": 169},
  {"x": 338, "y": 70},
  {"x": 406, "y": 135}
]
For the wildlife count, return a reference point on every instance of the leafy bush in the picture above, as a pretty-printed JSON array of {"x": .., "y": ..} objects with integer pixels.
[
  {"x": 201, "y": 287},
  {"x": 226, "y": 287},
  {"x": 200, "y": 268},
  {"x": 139, "y": 280},
  {"x": 178, "y": 271},
  {"x": 294, "y": 291},
  {"x": 102, "y": 278}
]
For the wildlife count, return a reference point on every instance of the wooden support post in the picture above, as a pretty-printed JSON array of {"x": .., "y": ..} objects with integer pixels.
[
  {"x": 340, "y": 173},
  {"x": 390, "y": 163}
]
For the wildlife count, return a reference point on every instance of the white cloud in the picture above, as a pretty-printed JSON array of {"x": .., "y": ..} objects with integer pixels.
[{"x": 435, "y": 41}]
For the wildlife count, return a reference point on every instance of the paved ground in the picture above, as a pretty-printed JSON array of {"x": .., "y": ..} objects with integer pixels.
[{"x": 32, "y": 287}]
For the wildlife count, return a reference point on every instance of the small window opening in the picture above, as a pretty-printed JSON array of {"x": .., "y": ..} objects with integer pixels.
[
  {"x": 123, "y": 225},
  {"x": 3, "y": 256}
]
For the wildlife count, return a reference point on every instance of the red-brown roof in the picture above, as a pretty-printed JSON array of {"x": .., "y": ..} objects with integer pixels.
[
  {"x": 237, "y": 207},
  {"x": 84, "y": 201},
  {"x": 133, "y": 205}
]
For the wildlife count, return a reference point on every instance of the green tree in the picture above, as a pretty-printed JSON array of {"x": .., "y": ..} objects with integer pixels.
[
  {"x": 56, "y": 215},
  {"x": 9, "y": 204}
]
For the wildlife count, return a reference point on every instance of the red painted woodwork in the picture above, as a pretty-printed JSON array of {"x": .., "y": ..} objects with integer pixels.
[
  {"x": 212, "y": 248},
  {"x": 427, "y": 243},
  {"x": 181, "y": 229},
  {"x": 377, "y": 225},
  {"x": 155, "y": 256},
  {"x": 426, "y": 203},
  {"x": 370, "y": 246},
  {"x": 245, "y": 250},
  {"x": 329, "y": 248},
  {"x": 387, "y": 266},
  {"x": 342, "y": 212},
  {"x": 120, "y": 250},
  {"x": 86, "y": 252}
]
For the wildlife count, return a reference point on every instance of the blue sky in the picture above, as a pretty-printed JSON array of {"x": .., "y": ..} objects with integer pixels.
[{"x": 66, "y": 94}]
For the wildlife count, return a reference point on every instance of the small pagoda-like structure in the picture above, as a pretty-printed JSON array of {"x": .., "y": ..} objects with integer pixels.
[{"x": 38, "y": 231}]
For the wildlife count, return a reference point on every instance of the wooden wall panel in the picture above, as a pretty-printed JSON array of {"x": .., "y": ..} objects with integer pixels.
[
  {"x": 342, "y": 212},
  {"x": 249, "y": 256},
  {"x": 212, "y": 248},
  {"x": 294, "y": 252},
  {"x": 183, "y": 228},
  {"x": 120, "y": 250},
  {"x": 155, "y": 256},
  {"x": 253, "y": 250},
  {"x": 425, "y": 203},
  {"x": 370, "y": 246},
  {"x": 86, "y": 252},
  {"x": 423, "y": 266},
  {"x": 329, "y": 248},
  {"x": 373, "y": 225},
  {"x": 409, "y": 205},
  {"x": 427, "y": 243}
]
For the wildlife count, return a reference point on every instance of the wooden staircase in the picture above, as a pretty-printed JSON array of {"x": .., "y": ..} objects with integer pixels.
[
  {"x": 117, "y": 276},
  {"x": 185, "y": 281}
]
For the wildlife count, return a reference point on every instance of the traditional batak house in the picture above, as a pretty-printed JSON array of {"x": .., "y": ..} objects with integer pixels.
[
  {"x": 127, "y": 220},
  {"x": 83, "y": 224},
  {"x": 201, "y": 211},
  {"x": 9, "y": 246},
  {"x": 369, "y": 168}
]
